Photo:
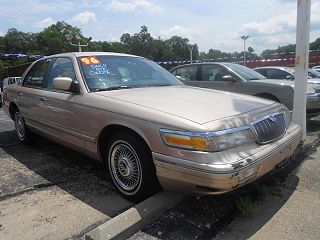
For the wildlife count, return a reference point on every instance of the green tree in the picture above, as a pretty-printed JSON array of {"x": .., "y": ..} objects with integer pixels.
[
  {"x": 1, "y": 44},
  {"x": 141, "y": 43},
  {"x": 18, "y": 42},
  {"x": 250, "y": 50},
  {"x": 2, "y": 69},
  {"x": 315, "y": 45},
  {"x": 177, "y": 48},
  {"x": 52, "y": 39}
]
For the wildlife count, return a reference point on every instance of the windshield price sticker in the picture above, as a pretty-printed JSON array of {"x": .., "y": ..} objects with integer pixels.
[{"x": 90, "y": 60}]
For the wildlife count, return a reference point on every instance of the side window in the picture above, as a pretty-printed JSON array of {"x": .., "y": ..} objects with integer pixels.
[
  {"x": 276, "y": 74},
  {"x": 188, "y": 72},
  {"x": 213, "y": 73},
  {"x": 36, "y": 77},
  {"x": 62, "y": 67},
  {"x": 174, "y": 72},
  {"x": 262, "y": 71}
]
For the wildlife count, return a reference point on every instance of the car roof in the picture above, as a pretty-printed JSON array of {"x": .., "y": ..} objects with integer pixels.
[
  {"x": 193, "y": 64},
  {"x": 84, "y": 54},
  {"x": 276, "y": 67}
]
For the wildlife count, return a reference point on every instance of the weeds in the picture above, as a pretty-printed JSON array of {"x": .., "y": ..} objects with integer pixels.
[{"x": 246, "y": 206}]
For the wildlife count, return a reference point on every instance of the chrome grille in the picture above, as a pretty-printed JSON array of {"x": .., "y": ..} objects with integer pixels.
[{"x": 269, "y": 128}]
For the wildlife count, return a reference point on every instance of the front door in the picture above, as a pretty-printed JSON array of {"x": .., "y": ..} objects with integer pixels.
[
  {"x": 218, "y": 77},
  {"x": 62, "y": 116}
]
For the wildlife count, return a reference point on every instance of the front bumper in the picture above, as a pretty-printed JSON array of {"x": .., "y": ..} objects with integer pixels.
[{"x": 206, "y": 179}]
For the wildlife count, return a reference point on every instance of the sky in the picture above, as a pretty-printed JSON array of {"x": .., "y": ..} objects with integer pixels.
[{"x": 216, "y": 24}]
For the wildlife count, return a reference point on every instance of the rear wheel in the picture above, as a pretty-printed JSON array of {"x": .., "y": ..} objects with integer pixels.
[
  {"x": 23, "y": 133},
  {"x": 131, "y": 167}
]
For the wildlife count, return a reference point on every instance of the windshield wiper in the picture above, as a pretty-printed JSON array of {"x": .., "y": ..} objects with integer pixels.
[
  {"x": 112, "y": 88},
  {"x": 158, "y": 85}
]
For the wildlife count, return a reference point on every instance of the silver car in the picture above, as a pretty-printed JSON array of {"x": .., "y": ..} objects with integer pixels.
[
  {"x": 148, "y": 128},
  {"x": 236, "y": 78},
  {"x": 286, "y": 73}
]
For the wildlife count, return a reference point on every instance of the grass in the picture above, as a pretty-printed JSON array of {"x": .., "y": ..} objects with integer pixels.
[{"x": 246, "y": 206}]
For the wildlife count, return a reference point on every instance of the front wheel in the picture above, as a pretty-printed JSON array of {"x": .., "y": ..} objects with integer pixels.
[{"x": 131, "y": 167}]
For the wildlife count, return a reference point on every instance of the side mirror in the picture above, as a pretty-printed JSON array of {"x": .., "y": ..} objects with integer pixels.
[
  {"x": 228, "y": 78},
  {"x": 180, "y": 78},
  {"x": 289, "y": 77},
  {"x": 66, "y": 84},
  {"x": 62, "y": 83}
]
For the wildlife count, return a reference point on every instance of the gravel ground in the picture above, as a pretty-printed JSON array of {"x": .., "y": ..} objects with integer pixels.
[{"x": 50, "y": 192}]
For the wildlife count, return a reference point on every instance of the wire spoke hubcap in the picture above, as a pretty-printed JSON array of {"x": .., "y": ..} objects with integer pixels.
[
  {"x": 125, "y": 166},
  {"x": 20, "y": 129}
]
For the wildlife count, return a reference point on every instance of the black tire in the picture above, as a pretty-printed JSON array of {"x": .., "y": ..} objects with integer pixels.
[
  {"x": 131, "y": 166},
  {"x": 23, "y": 133}
]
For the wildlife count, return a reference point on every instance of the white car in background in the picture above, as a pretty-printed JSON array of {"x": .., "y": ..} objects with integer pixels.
[
  {"x": 7, "y": 81},
  {"x": 286, "y": 73},
  {"x": 11, "y": 80},
  {"x": 316, "y": 68}
]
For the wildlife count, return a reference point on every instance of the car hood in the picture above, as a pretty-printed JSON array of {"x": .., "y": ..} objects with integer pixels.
[
  {"x": 314, "y": 80},
  {"x": 195, "y": 104},
  {"x": 274, "y": 81},
  {"x": 285, "y": 82}
]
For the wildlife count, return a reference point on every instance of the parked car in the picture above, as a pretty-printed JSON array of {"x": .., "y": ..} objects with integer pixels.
[
  {"x": 237, "y": 78},
  {"x": 147, "y": 127},
  {"x": 11, "y": 80},
  {"x": 316, "y": 68},
  {"x": 286, "y": 73}
]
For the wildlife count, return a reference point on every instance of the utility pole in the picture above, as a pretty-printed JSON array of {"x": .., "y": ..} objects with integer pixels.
[
  {"x": 302, "y": 64},
  {"x": 191, "y": 50},
  {"x": 244, "y": 38},
  {"x": 69, "y": 37}
]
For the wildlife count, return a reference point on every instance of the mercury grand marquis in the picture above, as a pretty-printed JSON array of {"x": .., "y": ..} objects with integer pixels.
[{"x": 149, "y": 129}]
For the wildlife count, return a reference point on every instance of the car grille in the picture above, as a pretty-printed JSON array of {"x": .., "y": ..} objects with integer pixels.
[{"x": 269, "y": 128}]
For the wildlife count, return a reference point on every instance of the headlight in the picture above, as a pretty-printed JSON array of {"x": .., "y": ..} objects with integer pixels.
[
  {"x": 287, "y": 117},
  {"x": 209, "y": 142},
  {"x": 311, "y": 90}
]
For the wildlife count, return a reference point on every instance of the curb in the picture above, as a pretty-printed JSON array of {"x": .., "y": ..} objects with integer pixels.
[{"x": 129, "y": 222}]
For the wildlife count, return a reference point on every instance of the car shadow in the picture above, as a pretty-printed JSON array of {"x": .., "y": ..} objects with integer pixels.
[
  {"x": 46, "y": 164},
  {"x": 204, "y": 217}
]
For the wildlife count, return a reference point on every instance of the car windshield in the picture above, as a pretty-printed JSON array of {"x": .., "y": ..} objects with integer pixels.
[
  {"x": 244, "y": 72},
  {"x": 314, "y": 73},
  {"x": 105, "y": 73}
]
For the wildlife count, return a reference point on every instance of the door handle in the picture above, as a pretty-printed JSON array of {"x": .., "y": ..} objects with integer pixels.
[
  {"x": 20, "y": 94},
  {"x": 42, "y": 99}
]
